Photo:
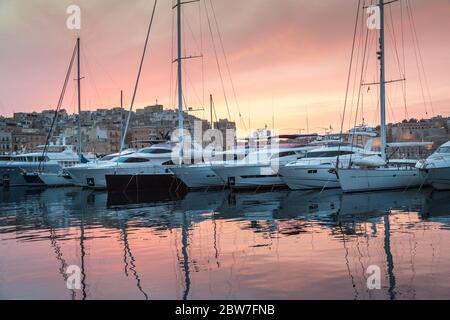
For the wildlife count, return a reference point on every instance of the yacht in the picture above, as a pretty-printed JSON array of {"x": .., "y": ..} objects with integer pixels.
[
  {"x": 201, "y": 175},
  {"x": 259, "y": 169},
  {"x": 93, "y": 175},
  {"x": 59, "y": 179},
  {"x": 437, "y": 167},
  {"x": 316, "y": 169},
  {"x": 20, "y": 170}
]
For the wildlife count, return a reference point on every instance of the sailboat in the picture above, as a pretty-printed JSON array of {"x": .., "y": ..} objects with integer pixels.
[
  {"x": 389, "y": 174},
  {"x": 44, "y": 166},
  {"x": 62, "y": 178},
  {"x": 151, "y": 176}
]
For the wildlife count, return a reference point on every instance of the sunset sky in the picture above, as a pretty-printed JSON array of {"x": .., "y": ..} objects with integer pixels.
[{"x": 287, "y": 58}]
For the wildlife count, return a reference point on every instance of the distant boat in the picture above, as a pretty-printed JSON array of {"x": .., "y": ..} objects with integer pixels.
[{"x": 21, "y": 170}]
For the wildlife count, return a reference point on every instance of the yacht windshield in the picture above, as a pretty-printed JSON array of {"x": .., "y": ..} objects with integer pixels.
[
  {"x": 155, "y": 151},
  {"x": 443, "y": 150},
  {"x": 132, "y": 160},
  {"x": 327, "y": 154}
]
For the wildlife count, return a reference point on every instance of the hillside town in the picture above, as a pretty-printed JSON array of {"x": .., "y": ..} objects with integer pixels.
[{"x": 101, "y": 130}]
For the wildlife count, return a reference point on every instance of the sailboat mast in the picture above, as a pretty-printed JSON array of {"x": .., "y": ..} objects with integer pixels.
[
  {"x": 382, "y": 84},
  {"x": 79, "y": 95},
  {"x": 211, "y": 105},
  {"x": 180, "y": 83}
]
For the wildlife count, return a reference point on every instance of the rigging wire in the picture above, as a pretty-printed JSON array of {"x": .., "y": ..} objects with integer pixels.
[
  {"x": 227, "y": 64},
  {"x": 58, "y": 107},
  {"x": 217, "y": 60},
  {"x": 419, "y": 60},
  {"x": 138, "y": 76},
  {"x": 349, "y": 73}
]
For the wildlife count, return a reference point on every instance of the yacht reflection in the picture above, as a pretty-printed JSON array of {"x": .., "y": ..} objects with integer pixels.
[
  {"x": 375, "y": 203},
  {"x": 72, "y": 213},
  {"x": 250, "y": 205},
  {"x": 141, "y": 197},
  {"x": 437, "y": 205},
  {"x": 310, "y": 204}
]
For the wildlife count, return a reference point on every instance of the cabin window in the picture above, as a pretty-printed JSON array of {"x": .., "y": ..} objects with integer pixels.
[
  {"x": 155, "y": 151},
  {"x": 133, "y": 160},
  {"x": 443, "y": 150},
  {"x": 283, "y": 154},
  {"x": 327, "y": 154}
]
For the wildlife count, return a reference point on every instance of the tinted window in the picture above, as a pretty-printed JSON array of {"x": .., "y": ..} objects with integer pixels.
[
  {"x": 155, "y": 151},
  {"x": 133, "y": 160},
  {"x": 284, "y": 154},
  {"x": 444, "y": 150},
  {"x": 327, "y": 154}
]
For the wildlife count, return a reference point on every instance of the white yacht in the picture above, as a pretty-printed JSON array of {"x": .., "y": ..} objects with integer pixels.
[
  {"x": 59, "y": 179},
  {"x": 259, "y": 169},
  {"x": 437, "y": 168},
  {"x": 316, "y": 169},
  {"x": 93, "y": 175},
  {"x": 201, "y": 175},
  {"x": 20, "y": 170}
]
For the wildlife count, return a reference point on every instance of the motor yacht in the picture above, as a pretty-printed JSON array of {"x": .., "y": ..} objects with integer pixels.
[
  {"x": 316, "y": 169},
  {"x": 437, "y": 168},
  {"x": 20, "y": 171},
  {"x": 93, "y": 175}
]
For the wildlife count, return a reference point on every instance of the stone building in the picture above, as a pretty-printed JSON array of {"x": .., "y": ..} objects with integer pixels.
[
  {"x": 27, "y": 139},
  {"x": 5, "y": 141}
]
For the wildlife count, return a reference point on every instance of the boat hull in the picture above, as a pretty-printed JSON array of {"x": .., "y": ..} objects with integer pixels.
[
  {"x": 309, "y": 178},
  {"x": 439, "y": 178},
  {"x": 93, "y": 178},
  {"x": 55, "y": 180},
  {"x": 249, "y": 176},
  {"x": 15, "y": 175},
  {"x": 360, "y": 180},
  {"x": 198, "y": 177}
]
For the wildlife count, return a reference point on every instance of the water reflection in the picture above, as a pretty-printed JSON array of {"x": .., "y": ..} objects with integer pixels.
[{"x": 224, "y": 245}]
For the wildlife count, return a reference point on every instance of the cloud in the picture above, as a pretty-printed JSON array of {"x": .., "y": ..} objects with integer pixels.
[{"x": 295, "y": 52}]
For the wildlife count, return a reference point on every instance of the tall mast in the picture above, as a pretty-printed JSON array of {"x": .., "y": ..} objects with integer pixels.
[
  {"x": 180, "y": 83},
  {"x": 211, "y": 104},
  {"x": 382, "y": 84},
  {"x": 121, "y": 117},
  {"x": 79, "y": 95}
]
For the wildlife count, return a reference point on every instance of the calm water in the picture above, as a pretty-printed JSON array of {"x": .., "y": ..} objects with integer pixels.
[{"x": 217, "y": 245}]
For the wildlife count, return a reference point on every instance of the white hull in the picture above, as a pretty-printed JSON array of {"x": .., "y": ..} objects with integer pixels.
[
  {"x": 358, "y": 179},
  {"x": 308, "y": 178},
  {"x": 249, "y": 176},
  {"x": 439, "y": 178},
  {"x": 198, "y": 177},
  {"x": 88, "y": 176},
  {"x": 55, "y": 180}
]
